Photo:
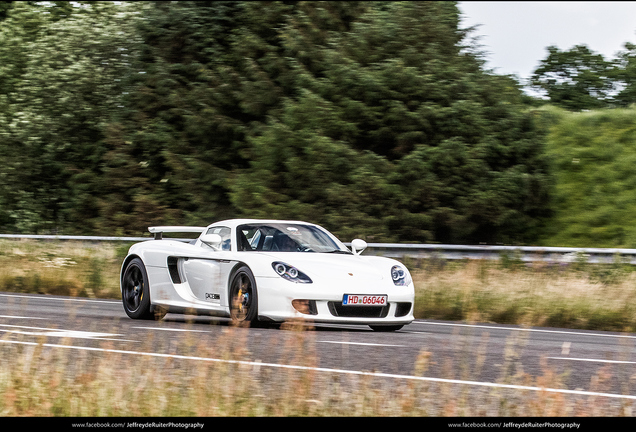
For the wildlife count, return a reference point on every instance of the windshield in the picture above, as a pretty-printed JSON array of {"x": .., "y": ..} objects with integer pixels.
[{"x": 286, "y": 238}]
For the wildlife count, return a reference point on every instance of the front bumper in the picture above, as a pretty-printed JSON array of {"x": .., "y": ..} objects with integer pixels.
[{"x": 280, "y": 300}]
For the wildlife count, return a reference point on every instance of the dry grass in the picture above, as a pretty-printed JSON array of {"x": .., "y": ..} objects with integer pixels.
[
  {"x": 61, "y": 268},
  {"x": 39, "y": 380},
  {"x": 582, "y": 296}
]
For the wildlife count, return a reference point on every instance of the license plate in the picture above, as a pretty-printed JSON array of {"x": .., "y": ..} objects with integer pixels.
[{"x": 364, "y": 300}]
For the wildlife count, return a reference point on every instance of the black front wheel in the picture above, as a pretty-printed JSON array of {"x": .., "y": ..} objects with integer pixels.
[
  {"x": 135, "y": 291},
  {"x": 243, "y": 297}
]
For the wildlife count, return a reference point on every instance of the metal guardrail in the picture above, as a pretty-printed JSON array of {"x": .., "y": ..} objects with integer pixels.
[
  {"x": 522, "y": 253},
  {"x": 433, "y": 251},
  {"x": 71, "y": 237}
]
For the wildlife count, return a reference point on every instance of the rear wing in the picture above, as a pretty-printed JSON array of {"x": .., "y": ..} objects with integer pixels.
[{"x": 159, "y": 230}]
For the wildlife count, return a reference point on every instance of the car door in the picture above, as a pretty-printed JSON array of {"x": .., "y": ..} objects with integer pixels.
[{"x": 207, "y": 277}]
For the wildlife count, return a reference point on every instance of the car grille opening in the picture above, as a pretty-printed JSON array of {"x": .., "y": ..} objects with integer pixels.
[
  {"x": 402, "y": 309},
  {"x": 337, "y": 309}
]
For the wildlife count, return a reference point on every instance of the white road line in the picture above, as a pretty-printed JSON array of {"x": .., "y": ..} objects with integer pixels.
[
  {"x": 361, "y": 343},
  {"x": 338, "y": 371},
  {"x": 173, "y": 329},
  {"x": 20, "y": 317},
  {"x": 18, "y": 342},
  {"x": 593, "y": 360},
  {"x": 44, "y": 331},
  {"x": 574, "y": 333},
  {"x": 69, "y": 334},
  {"x": 65, "y": 299}
]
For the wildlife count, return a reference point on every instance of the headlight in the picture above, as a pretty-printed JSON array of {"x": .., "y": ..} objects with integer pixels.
[
  {"x": 400, "y": 276},
  {"x": 290, "y": 273}
]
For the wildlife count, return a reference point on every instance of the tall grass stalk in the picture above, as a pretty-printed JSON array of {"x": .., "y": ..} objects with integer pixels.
[{"x": 40, "y": 380}]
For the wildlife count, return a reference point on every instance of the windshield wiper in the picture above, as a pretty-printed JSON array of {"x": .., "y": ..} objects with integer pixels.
[{"x": 339, "y": 251}]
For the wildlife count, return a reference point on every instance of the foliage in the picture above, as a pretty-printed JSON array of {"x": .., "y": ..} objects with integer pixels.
[
  {"x": 625, "y": 75},
  {"x": 421, "y": 121},
  {"x": 376, "y": 119},
  {"x": 575, "y": 79},
  {"x": 59, "y": 90},
  {"x": 592, "y": 155},
  {"x": 580, "y": 79}
]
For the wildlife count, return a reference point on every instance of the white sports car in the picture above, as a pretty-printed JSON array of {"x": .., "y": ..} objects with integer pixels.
[{"x": 265, "y": 270}]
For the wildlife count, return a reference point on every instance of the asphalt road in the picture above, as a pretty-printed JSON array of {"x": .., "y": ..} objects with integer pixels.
[{"x": 471, "y": 354}]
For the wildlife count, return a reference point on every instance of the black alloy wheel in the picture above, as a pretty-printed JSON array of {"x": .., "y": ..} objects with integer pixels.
[
  {"x": 135, "y": 291},
  {"x": 243, "y": 297}
]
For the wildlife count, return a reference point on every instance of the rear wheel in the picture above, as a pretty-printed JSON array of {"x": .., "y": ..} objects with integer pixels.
[
  {"x": 243, "y": 297},
  {"x": 135, "y": 291}
]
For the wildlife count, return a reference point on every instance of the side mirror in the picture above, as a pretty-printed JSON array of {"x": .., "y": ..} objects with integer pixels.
[
  {"x": 358, "y": 245},
  {"x": 212, "y": 240}
]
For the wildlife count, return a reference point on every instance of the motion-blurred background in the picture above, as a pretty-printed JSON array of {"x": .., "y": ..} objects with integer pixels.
[{"x": 376, "y": 119}]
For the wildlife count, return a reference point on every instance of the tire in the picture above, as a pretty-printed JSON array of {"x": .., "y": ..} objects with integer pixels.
[
  {"x": 243, "y": 297},
  {"x": 135, "y": 291},
  {"x": 387, "y": 328}
]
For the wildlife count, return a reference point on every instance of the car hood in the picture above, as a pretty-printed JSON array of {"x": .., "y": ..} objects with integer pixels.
[{"x": 333, "y": 266}]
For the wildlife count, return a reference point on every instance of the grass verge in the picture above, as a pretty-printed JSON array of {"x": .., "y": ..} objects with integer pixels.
[{"x": 580, "y": 295}]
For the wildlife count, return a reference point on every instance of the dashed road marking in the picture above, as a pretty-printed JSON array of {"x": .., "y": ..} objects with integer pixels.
[
  {"x": 49, "y": 332},
  {"x": 593, "y": 360},
  {"x": 361, "y": 343},
  {"x": 565, "y": 349},
  {"x": 173, "y": 329}
]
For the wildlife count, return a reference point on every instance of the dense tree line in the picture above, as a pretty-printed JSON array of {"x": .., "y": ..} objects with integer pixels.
[{"x": 376, "y": 119}]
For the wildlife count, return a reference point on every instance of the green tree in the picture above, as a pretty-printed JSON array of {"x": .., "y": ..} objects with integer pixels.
[
  {"x": 403, "y": 84},
  {"x": 376, "y": 119},
  {"x": 180, "y": 133},
  {"x": 299, "y": 173},
  {"x": 4, "y": 9},
  {"x": 624, "y": 73},
  {"x": 575, "y": 79},
  {"x": 61, "y": 85}
]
